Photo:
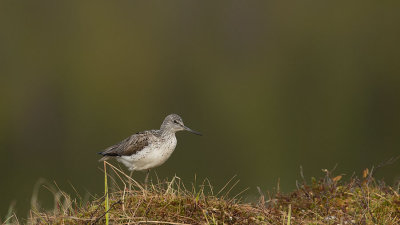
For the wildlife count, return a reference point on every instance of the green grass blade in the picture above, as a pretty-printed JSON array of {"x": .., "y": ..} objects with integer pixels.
[
  {"x": 289, "y": 214},
  {"x": 106, "y": 204}
]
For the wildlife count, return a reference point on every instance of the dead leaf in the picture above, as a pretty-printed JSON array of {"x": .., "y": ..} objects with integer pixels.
[
  {"x": 365, "y": 173},
  {"x": 337, "y": 178}
]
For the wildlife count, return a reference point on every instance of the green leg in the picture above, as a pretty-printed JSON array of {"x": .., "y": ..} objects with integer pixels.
[
  {"x": 147, "y": 178},
  {"x": 130, "y": 182}
]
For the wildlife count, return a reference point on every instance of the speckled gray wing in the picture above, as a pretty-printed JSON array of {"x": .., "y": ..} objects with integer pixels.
[{"x": 129, "y": 146}]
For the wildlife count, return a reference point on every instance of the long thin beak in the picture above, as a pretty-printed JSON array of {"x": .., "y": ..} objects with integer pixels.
[{"x": 190, "y": 130}]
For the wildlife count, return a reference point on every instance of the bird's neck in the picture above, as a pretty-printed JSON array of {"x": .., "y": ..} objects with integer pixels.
[{"x": 167, "y": 133}]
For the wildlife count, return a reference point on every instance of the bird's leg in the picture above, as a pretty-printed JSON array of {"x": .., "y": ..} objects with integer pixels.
[
  {"x": 147, "y": 178},
  {"x": 130, "y": 182}
]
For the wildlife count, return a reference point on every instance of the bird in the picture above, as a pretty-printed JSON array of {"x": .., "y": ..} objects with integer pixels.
[{"x": 145, "y": 150}]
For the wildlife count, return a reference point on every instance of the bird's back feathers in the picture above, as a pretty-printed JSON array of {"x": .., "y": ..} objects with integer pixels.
[{"x": 129, "y": 146}]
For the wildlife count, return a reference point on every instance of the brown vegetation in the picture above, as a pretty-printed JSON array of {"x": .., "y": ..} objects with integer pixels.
[{"x": 329, "y": 200}]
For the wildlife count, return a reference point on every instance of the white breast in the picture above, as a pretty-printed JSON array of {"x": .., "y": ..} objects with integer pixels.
[{"x": 151, "y": 156}]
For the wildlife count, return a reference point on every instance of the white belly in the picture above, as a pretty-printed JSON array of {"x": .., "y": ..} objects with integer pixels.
[{"x": 151, "y": 156}]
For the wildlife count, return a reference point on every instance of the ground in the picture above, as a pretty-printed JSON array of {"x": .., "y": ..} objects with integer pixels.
[{"x": 328, "y": 200}]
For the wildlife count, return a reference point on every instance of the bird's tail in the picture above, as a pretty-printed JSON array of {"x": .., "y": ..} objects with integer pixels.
[{"x": 104, "y": 158}]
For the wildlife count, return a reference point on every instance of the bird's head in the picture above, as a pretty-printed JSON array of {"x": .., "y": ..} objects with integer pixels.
[{"x": 174, "y": 123}]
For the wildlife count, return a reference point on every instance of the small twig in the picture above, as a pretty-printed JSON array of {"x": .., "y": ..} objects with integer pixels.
[
  {"x": 261, "y": 201},
  {"x": 302, "y": 175},
  {"x": 383, "y": 164},
  {"x": 234, "y": 197},
  {"x": 234, "y": 185},
  {"x": 225, "y": 185},
  {"x": 112, "y": 206},
  {"x": 278, "y": 186},
  {"x": 97, "y": 208},
  {"x": 209, "y": 185},
  {"x": 129, "y": 178}
]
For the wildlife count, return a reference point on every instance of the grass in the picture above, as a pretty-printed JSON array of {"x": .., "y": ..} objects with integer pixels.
[
  {"x": 328, "y": 200},
  {"x": 106, "y": 203}
]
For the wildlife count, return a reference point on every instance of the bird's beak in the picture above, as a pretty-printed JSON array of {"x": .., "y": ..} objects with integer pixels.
[{"x": 190, "y": 130}]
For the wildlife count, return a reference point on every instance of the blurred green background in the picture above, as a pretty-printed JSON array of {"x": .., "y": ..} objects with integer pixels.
[{"x": 272, "y": 85}]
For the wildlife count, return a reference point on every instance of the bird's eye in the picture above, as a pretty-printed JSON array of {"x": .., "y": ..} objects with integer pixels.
[{"x": 175, "y": 121}]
